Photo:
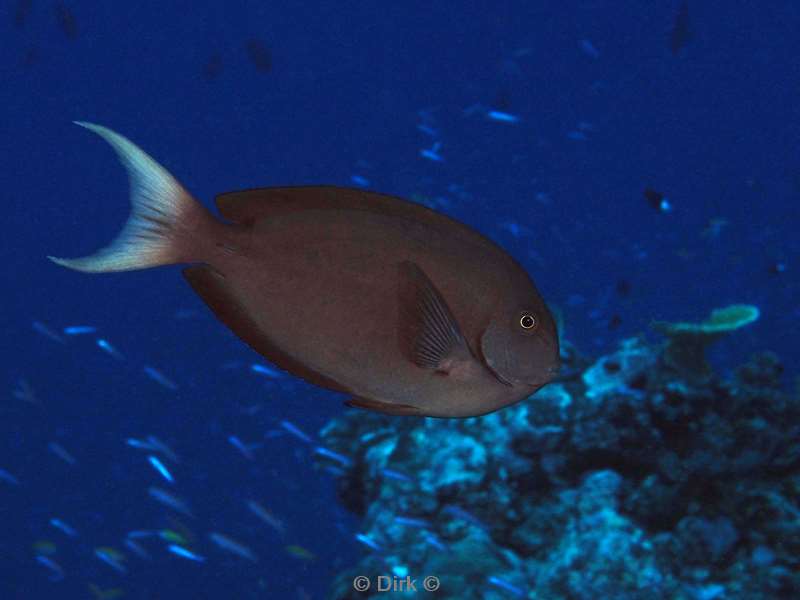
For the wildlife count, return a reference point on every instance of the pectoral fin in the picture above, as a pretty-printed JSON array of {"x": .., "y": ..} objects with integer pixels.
[{"x": 428, "y": 332}]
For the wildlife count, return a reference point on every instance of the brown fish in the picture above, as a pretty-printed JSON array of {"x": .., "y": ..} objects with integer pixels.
[{"x": 404, "y": 309}]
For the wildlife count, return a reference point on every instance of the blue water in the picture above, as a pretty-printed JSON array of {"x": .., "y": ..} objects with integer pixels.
[{"x": 603, "y": 110}]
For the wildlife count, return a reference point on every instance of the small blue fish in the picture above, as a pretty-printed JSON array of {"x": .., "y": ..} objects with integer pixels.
[
  {"x": 335, "y": 456},
  {"x": 515, "y": 229},
  {"x": 106, "y": 347},
  {"x": 435, "y": 542},
  {"x": 264, "y": 370},
  {"x": 61, "y": 525},
  {"x": 184, "y": 553},
  {"x": 138, "y": 534},
  {"x": 335, "y": 471},
  {"x": 44, "y": 330},
  {"x": 137, "y": 549},
  {"x": 61, "y": 453},
  {"x": 296, "y": 432},
  {"x": 589, "y": 49},
  {"x": 79, "y": 329},
  {"x": 162, "y": 448},
  {"x": 497, "y": 115},
  {"x": 369, "y": 542},
  {"x": 168, "y": 500},
  {"x": 160, "y": 378},
  {"x": 412, "y": 522},
  {"x": 472, "y": 109},
  {"x": 230, "y": 545},
  {"x": 112, "y": 558},
  {"x": 8, "y": 477},
  {"x": 427, "y": 130},
  {"x": 134, "y": 443},
  {"x": 23, "y": 391},
  {"x": 159, "y": 466},
  {"x": 460, "y": 513},
  {"x": 507, "y": 586},
  {"x": 245, "y": 449},
  {"x": 265, "y": 515},
  {"x": 396, "y": 475},
  {"x": 432, "y": 153},
  {"x": 56, "y": 572}
]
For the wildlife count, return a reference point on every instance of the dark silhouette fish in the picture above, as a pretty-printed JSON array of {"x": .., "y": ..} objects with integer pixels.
[
  {"x": 657, "y": 200},
  {"x": 22, "y": 11},
  {"x": 681, "y": 31},
  {"x": 66, "y": 19},
  {"x": 213, "y": 67},
  {"x": 30, "y": 57},
  {"x": 404, "y": 309},
  {"x": 259, "y": 54}
]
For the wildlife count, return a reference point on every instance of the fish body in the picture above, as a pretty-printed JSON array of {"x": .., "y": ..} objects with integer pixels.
[
  {"x": 230, "y": 545},
  {"x": 169, "y": 500},
  {"x": 300, "y": 552},
  {"x": 112, "y": 557},
  {"x": 64, "y": 527},
  {"x": 404, "y": 309},
  {"x": 265, "y": 515},
  {"x": 162, "y": 470},
  {"x": 185, "y": 553},
  {"x": 56, "y": 572}
]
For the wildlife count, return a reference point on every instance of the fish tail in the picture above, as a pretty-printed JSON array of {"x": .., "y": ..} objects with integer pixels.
[{"x": 164, "y": 224}]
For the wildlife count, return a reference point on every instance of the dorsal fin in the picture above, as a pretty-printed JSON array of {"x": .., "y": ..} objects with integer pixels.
[
  {"x": 248, "y": 206},
  {"x": 212, "y": 287},
  {"x": 389, "y": 408}
]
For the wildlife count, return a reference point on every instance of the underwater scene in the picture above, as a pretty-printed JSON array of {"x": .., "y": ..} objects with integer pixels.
[{"x": 363, "y": 300}]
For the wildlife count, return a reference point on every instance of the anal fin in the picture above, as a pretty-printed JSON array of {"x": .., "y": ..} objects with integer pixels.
[{"x": 389, "y": 408}]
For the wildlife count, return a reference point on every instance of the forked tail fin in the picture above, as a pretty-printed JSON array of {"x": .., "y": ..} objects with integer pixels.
[{"x": 164, "y": 221}]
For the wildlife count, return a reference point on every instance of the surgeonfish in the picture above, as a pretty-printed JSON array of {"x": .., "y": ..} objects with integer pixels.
[{"x": 404, "y": 309}]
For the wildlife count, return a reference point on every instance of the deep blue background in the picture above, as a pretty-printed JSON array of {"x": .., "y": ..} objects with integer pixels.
[{"x": 716, "y": 129}]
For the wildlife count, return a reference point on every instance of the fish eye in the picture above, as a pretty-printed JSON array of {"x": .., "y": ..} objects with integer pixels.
[{"x": 527, "y": 321}]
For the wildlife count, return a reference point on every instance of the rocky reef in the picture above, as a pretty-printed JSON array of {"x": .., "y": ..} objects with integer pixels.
[{"x": 629, "y": 478}]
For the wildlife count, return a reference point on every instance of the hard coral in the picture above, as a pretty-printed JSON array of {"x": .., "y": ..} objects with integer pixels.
[{"x": 686, "y": 342}]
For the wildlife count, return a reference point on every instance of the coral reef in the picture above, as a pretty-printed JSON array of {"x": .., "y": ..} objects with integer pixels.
[
  {"x": 627, "y": 479},
  {"x": 687, "y": 342}
]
